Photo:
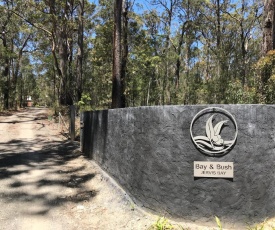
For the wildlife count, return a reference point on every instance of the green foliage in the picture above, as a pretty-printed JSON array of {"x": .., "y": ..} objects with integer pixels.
[
  {"x": 56, "y": 109},
  {"x": 261, "y": 226},
  {"x": 132, "y": 206},
  {"x": 257, "y": 227},
  {"x": 266, "y": 78},
  {"x": 238, "y": 94},
  {"x": 85, "y": 103},
  {"x": 218, "y": 222},
  {"x": 163, "y": 224},
  {"x": 176, "y": 55}
]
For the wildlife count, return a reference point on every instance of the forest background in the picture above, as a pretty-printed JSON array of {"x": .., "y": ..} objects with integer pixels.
[{"x": 139, "y": 52}]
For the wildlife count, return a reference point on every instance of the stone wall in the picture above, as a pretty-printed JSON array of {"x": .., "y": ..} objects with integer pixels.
[{"x": 149, "y": 152}]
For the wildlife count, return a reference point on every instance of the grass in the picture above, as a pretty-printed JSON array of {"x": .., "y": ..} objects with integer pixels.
[
  {"x": 218, "y": 222},
  {"x": 132, "y": 206},
  {"x": 261, "y": 226},
  {"x": 163, "y": 224}
]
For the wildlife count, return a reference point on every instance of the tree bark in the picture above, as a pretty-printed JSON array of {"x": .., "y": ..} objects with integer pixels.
[
  {"x": 16, "y": 73},
  {"x": 268, "y": 26},
  {"x": 125, "y": 49},
  {"x": 6, "y": 71},
  {"x": 117, "y": 87},
  {"x": 80, "y": 51}
]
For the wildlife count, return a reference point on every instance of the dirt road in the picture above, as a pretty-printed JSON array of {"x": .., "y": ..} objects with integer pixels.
[{"x": 46, "y": 184}]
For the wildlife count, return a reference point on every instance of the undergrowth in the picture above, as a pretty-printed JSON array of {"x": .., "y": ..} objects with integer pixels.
[
  {"x": 261, "y": 226},
  {"x": 163, "y": 224}
]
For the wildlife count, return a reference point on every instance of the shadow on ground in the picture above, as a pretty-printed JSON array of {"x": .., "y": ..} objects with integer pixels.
[
  {"x": 28, "y": 117},
  {"x": 19, "y": 159}
]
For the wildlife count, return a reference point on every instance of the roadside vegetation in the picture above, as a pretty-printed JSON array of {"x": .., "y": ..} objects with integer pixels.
[{"x": 164, "y": 224}]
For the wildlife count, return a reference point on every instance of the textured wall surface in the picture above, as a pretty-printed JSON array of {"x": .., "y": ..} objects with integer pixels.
[{"x": 148, "y": 150}]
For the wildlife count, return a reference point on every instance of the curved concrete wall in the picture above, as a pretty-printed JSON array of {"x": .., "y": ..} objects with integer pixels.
[{"x": 149, "y": 151}]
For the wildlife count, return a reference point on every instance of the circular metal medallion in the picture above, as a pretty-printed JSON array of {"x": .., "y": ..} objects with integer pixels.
[{"x": 214, "y": 131}]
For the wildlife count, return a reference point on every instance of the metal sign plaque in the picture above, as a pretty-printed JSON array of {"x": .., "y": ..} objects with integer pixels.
[
  {"x": 214, "y": 131},
  {"x": 213, "y": 169}
]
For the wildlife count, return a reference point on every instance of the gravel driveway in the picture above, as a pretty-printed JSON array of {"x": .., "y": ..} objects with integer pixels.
[{"x": 45, "y": 183}]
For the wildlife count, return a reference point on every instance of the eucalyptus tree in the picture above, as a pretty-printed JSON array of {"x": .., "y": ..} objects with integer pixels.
[
  {"x": 168, "y": 10},
  {"x": 117, "y": 81},
  {"x": 127, "y": 5},
  {"x": 268, "y": 26},
  {"x": 244, "y": 22},
  {"x": 98, "y": 83},
  {"x": 51, "y": 19},
  {"x": 19, "y": 49},
  {"x": 265, "y": 66},
  {"x": 214, "y": 30},
  {"x": 61, "y": 23},
  {"x": 80, "y": 49},
  {"x": 185, "y": 46},
  {"x": 112, "y": 33},
  {"x": 6, "y": 50},
  {"x": 15, "y": 36},
  {"x": 199, "y": 51},
  {"x": 145, "y": 63}
]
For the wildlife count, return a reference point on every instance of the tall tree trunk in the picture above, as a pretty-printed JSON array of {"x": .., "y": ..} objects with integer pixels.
[
  {"x": 117, "y": 87},
  {"x": 125, "y": 49},
  {"x": 21, "y": 90},
  {"x": 6, "y": 70},
  {"x": 80, "y": 50},
  {"x": 221, "y": 79},
  {"x": 268, "y": 26},
  {"x": 178, "y": 61},
  {"x": 218, "y": 90},
  {"x": 167, "y": 46},
  {"x": 16, "y": 72},
  {"x": 169, "y": 8},
  {"x": 61, "y": 50},
  {"x": 63, "y": 63}
]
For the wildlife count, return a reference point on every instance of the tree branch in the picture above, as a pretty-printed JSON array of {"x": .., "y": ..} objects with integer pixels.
[{"x": 31, "y": 23}]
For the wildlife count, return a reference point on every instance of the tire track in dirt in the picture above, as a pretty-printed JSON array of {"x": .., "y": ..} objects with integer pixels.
[{"x": 20, "y": 189}]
